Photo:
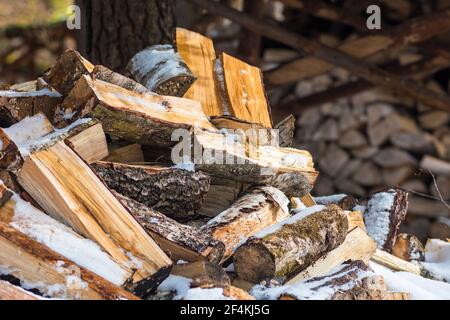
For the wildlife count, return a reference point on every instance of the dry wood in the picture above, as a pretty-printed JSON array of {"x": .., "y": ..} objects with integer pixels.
[
  {"x": 202, "y": 274},
  {"x": 408, "y": 247},
  {"x": 250, "y": 214},
  {"x": 397, "y": 296},
  {"x": 12, "y": 292},
  {"x": 127, "y": 154},
  {"x": 69, "y": 67},
  {"x": 273, "y": 253},
  {"x": 237, "y": 293},
  {"x": 89, "y": 144},
  {"x": 177, "y": 193},
  {"x": 107, "y": 75},
  {"x": 179, "y": 241},
  {"x": 355, "y": 219},
  {"x": 231, "y": 122},
  {"x": 199, "y": 54},
  {"x": 221, "y": 196},
  {"x": 356, "y": 246},
  {"x": 384, "y": 213},
  {"x": 388, "y": 260},
  {"x": 308, "y": 200},
  {"x": 34, "y": 263},
  {"x": 435, "y": 165},
  {"x": 286, "y": 129},
  {"x": 160, "y": 69},
  {"x": 244, "y": 94}
]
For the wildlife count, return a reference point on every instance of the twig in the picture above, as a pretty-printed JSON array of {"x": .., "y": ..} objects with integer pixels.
[{"x": 437, "y": 189}]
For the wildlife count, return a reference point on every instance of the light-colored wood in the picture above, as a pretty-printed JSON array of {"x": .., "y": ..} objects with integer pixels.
[
  {"x": 308, "y": 200},
  {"x": 388, "y": 260},
  {"x": 54, "y": 275},
  {"x": 245, "y": 92},
  {"x": 397, "y": 296},
  {"x": 198, "y": 53},
  {"x": 356, "y": 246},
  {"x": 82, "y": 201},
  {"x": 127, "y": 154},
  {"x": 12, "y": 292},
  {"x": 355, "y": 219},
  {"x": 90, "y": 144},
  {"x": 237, "y": 293}
]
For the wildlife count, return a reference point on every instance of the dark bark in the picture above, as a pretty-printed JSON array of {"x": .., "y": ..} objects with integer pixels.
[{"x": 113, "y": 31}]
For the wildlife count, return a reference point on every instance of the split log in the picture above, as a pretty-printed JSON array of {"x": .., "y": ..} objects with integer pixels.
[
  {"x": 220, "y": 197},
  {"x": 51, "y": 273},
  {"x": 244, "y": 95},
  {"x": 388, "y": 260},
  {"x": 199, "y": 54},
  {"x": 253, "y": 212},
  {"x": 384, "y": 213},
  {"x": 177, "y": 193},
  {"x": 83, "y": 202},
  {"x": 38, "y": 226},
  {"x": 144, "y": 118},
  {"x": 179, "y": 241},
  {"x": 16, "y": 106},
  {"x": 409, "y": 248},
  {"x": 356, "y": 246},
  {"x": 273, "y": 253},
  {"x": 290, "y": 170},
  {"x": 231, "y": 122},
  {"x": 104, "y": 74},
  {"x": 12, "y": 292},
  {"x": 69, "y": 67},
  {"x": 355, "y": 219},
  {"x": 131, "y": 153},
  {"x": 202, "y": 274},
  {"x": 160, "y": 69},
  {"x": 286, "y": 131}
]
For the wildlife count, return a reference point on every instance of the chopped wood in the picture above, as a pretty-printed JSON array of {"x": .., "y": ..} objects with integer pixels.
[
  {"x": 51, "y": 273},
  {"x": 126, "y": 154},
  {"x": 231, "y": 122},
  {"x": 107, "y": 75},
  {"x": 162, "y": 70},
  {"x": 355, "y": 219},
  {"x": 236, "y": 293},
  {"x": 308, "y": 200},
  {"x": 286, "y": 129},
  {"x": 89, "y": 144},
  {"x": 397, "y": 296},
  {"x": 272, "y": 253},
  {"x": 69, "y": 67},
  {"x": 198, "y": 53},
  {"x": 12, "y": 292},
  {"x": 179, "y": 241},
  {"x": 220, "y": 197},
  {"x": 356, "y": 246},
  {"x": 409, "y": 248},
  {"x": 260, "y": 208},
  {"x": 202, "y": 274},
  {"x": 384, "y": 213},
  {"x": 177, "y": 193},
  {"x": 388, "y": 260}
]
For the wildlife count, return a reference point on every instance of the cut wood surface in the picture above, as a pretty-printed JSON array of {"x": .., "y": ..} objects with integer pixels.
[
  {"x": 250, "y": 214},
  {"x": 356, "y": 246},
  {"x": 198, "y": 53},
  {"x": 126, "y": 154},
  {"x": 355, "y": 219},
  {"x": 89, "y": 144},
  {"x": 244, "y": 91},
  {"x": 177, "y": 193},
  {"x": 273, "y": 253},
  {"x": 12, "y": 292},
  {"x": 180, "y": 242},
  {"x": 388, "y": 260},
  {"x": 51, "y": 273},
  {"x": 286, "y": 129},
  {"x": 161, "y": 70},
  {"x": 69, "y": 67}
]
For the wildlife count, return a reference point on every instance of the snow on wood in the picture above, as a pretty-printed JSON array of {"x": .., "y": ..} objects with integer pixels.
[{"x": 437, "y": 260}]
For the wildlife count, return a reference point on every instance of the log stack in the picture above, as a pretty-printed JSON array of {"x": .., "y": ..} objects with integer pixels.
[{"x": 175, "y": 186}]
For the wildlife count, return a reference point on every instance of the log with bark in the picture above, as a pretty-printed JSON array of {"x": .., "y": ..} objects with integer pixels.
[
  {"x": 384, "y": 213},
  {"x": 104, "y": 74},
  {"x": 287, "y": 248},
  {"x": 180, "y": 242},
  {"x": 260, "y": 208},
  {"x": 409, "y": 248},
  {"x": 161, "y": 70},
  {"x": 177, "y": 193}
]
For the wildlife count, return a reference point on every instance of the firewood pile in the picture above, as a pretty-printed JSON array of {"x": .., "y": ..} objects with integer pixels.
[{"x": 173, "y": 182}]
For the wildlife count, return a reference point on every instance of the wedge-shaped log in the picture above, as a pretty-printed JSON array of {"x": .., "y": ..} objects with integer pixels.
[
  {"x": 9, "y": 292},
  {"x": 291, "y": 246},
  {"x": 179, "y": 241},
  {"x": 83, "y": 202},
  {"x": 356, "y": 246},
  {"x": 144, "y": 118},
  {"x": 40, "y": 227},
  {"x": 384, "y": 213},
  {"x": 290, "y": 170},
  {"x": 51, "y": 273},
  {"x": 260, "y": 208},
  {"x": 242, "y": 90},
  {"x": 131, "y": 153},
  {"x": 15, "y": 106},
  {"x": 174, "y": 192},
  {"x": 386, "y": 259},
  {"x": 198, "y": 53},
  {"x": 161, "y": 70},
  {"x": 69, "y": 67}
]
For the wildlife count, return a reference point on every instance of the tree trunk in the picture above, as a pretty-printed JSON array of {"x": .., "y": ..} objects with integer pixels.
[{"x": 113, "y": 31}]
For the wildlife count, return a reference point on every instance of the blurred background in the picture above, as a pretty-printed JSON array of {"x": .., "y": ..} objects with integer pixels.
[{"x": 364, "y": 137}]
